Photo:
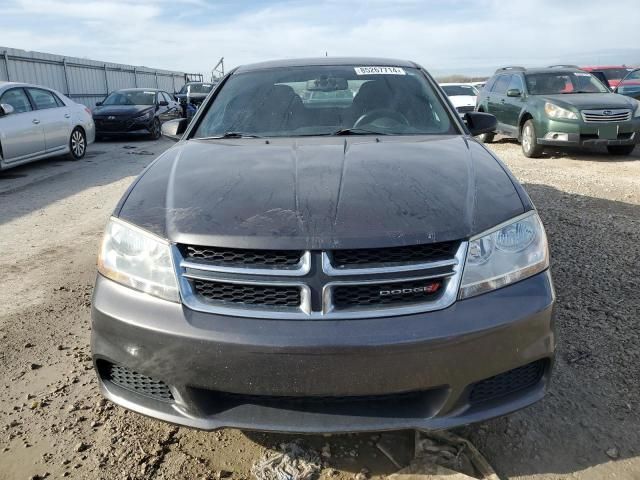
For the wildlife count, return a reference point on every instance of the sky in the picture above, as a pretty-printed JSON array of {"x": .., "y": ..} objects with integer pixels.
[{"x": 470, "y": 37}]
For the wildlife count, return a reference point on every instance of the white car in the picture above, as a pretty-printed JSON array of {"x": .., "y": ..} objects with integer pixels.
[
  {"x": 38, "y": 122},
  {"x": 462, "y": 95}
]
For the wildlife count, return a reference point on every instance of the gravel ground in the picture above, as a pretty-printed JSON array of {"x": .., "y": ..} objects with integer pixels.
[{"x": 54, "y": 424}]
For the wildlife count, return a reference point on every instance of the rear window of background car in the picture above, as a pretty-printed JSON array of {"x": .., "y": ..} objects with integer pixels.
[{"x": 43, "y": 99}]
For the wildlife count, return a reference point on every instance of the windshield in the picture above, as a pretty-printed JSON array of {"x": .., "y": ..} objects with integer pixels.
[
  {"x": 459, "y": 90},
  {"x": 131, "y": 97},
  {"x": 325, "y": 100},
  {"x": 563, "y": 82},
  {"x": 615, "y": 73},
  {"x": 196, "y": 88}
]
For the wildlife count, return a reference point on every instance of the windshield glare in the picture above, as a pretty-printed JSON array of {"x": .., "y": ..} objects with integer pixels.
[
  {"x": 324, "y": 100},
  {"x": 125, "y": 97},
  {"x": 563, "y": 82}
]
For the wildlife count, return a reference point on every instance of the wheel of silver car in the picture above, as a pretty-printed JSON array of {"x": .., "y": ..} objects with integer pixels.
[
  {"x": 77, "y": 144},
  {"x": 530, "y": 146},
  {"x": 156, "y": 129}
]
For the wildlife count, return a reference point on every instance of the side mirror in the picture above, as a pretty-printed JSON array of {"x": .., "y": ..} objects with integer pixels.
[
  {"x": 480, "y": 122},
  {"x": 514, "y": 92},
  {"x": 6, "y": 109},
  {"x": 163, "y": 103},
  {"x": 174, "y": 129},
  {"x": 98, "y": 104}
]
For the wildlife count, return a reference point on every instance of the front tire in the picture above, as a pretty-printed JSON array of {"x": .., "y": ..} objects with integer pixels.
[
  {"x": 156, "y": 131},
  {"x": 620, "y": 150},
  {"x": 530, "y": 146},
  {"x": 77, "y": 144}
]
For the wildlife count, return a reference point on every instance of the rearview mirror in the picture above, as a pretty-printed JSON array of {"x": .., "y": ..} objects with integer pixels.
[
  {"x": 480, "y": 122},
  {"x": 174, "y": 129},
  {"x": 98, "y": 104},
  {"x": 327, "y": 84},
  {"x": 6, "y": 109},
  {"x": 163, "y": 103},
  {"x": 514, "y": 92}
]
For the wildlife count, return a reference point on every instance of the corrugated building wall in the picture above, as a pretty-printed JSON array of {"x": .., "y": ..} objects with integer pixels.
[{"x": 83, "y": 80}]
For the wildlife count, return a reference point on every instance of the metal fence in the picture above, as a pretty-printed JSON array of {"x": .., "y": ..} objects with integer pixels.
[{"x": 85, "y": 81}]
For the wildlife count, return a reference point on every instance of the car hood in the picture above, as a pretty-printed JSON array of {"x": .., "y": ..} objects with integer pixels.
[
  {"x": 120, "y": 110},
  {"x": 463, "y": 100},
  {"x": 589, "y": 101},
  {"x": 323, "y": 192}
]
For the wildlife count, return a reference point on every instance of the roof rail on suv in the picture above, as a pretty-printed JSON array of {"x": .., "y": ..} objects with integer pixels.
[
  {"x": 563, "y": 66},
  {"x": 503, "y": 69}
]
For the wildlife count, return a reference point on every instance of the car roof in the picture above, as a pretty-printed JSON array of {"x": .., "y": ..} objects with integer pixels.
[
  {"x": 138, "y": 90},
  {"x": 540, "y": 70},
  {"x": 329, "y": 61},
  {"x": 22, "y": 84},
  {"x": 607, "y": 67}
]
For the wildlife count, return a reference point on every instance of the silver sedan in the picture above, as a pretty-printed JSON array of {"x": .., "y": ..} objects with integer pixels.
[{"x": 38, "y": 122}]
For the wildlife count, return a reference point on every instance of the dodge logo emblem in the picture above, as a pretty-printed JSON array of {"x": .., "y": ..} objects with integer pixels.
[{"x": 430, "y": 288}]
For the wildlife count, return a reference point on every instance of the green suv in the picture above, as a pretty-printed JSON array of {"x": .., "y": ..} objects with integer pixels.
[{"x": 560, "y": 107}]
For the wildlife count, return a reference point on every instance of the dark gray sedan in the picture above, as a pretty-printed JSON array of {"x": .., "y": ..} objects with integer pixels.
[{"x": 341, "y": 262}]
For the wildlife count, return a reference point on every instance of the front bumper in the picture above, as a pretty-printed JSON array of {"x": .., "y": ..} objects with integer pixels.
[
  {"x": 580, "y": 133},
  {"x": 285, "y": 375}
]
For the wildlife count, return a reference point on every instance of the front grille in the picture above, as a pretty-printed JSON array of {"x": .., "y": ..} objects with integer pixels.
[
  {"x": 113, "y": 125},
  {"x": 248, "y": 294},
  {"x": 394, "y": 255},
  {"x": 243, "y": 257},
  {"x": 603, "y": 116},
  {"x": 134, "y": 381},
  {"x": 398, "y": 293},
  {"x": 414, "y": 404},
  {"x": 295, "y": 284},
  {"x": 508, "y": 382}
]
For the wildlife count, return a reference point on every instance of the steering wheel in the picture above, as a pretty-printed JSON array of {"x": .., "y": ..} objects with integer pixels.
[{"x": 378, "y": 113}]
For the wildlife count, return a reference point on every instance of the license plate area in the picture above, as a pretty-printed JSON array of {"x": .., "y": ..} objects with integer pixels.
[{"x": 608, "y": 132}]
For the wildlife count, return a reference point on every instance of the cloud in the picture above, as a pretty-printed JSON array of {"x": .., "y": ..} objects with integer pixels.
[{"x": 191, "y": 35}]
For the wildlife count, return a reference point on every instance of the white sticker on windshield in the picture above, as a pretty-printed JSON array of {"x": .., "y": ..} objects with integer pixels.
[
  {"x": 149, "y": 93},
  {"x": 580, "y": 74},
  {"x": 379, "y": 71}
]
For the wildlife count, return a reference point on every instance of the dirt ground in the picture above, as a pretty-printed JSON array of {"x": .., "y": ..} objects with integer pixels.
[{"x": 54, "y": 424}]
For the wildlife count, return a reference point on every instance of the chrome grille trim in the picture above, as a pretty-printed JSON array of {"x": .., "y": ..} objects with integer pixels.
[
  {"x": 302, "y": 268},
  {"x": 329, "y": 269},
  {"x": 599, "y": 116},
  {"x": 450, "y": 271},
  {"x": 191, "y": 300}
]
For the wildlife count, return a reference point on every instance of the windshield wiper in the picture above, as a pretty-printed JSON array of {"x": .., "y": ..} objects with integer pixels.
[
  {"x": 579, "y": 91},
  {"x": 231, "y": 135},
  {"x": 357, "y": 131}
]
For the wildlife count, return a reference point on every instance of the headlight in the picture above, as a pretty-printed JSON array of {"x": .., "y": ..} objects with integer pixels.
[
  {"x": 145, "y": 116},
  {"x": 138, "y": 259},
  {"x": 636, "y": 113},
  {"x": 505, "y": 254},
  {"x": 554, "y": 111}
]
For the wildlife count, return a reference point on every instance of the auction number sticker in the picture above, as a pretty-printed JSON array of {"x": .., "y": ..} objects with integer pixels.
[{"x": 379, "y": 71}]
